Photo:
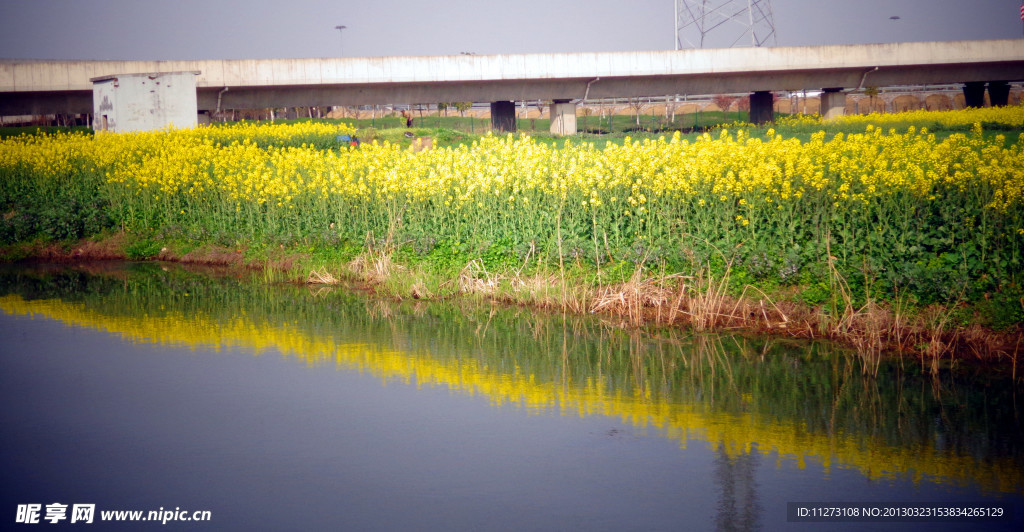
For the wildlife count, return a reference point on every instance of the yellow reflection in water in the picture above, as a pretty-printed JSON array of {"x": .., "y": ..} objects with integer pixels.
[{"x": 736, "y": 432}]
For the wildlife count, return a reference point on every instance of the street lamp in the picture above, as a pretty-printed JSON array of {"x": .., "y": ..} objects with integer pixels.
[{"x": 341, "y": 37}]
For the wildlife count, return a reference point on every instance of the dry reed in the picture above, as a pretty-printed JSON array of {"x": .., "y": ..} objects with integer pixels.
[{"x": 321, "y": 276}]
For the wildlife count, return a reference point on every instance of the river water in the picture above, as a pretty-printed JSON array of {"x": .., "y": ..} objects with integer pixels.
[{"x": 142, "y": 387}]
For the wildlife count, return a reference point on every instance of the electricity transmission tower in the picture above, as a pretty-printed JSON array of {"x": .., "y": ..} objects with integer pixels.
[{"x": 732, "y": 21}]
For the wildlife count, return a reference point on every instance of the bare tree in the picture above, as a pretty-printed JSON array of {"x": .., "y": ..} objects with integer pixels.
[
  {"x": 541, "y": 104},
  {"x": 723, "y": 101},
  {"x": 586, "y": 111},
  {"x": 638, "y": 105},
  {"x": 671, "y": 102},
  {"x": 792, "y": 101}
]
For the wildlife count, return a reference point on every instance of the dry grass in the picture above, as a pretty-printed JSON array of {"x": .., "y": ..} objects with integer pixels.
[
  {"x": 374, "y": 267},
  {"x": 321, "y": 276},
  {"x": 700, "y": 302},
  {"x": 542, "y": 290},
  {"x": 475, "y": 279},
  {"x": 419, "y": 291},
  {"x": 633, "y": 298},
  {"x": 707, "y": 305}
]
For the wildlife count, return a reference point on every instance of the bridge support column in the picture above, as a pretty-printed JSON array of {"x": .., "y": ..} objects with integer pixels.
[
  {"x": 998, "y": 93},
  {"x": 761, "y": 103},
  {"x": 974, "y": 94},
  {"x": 833, "y": 103},
  {"x": 503, "y": 116},
  {"x": 563, "y": 117}
]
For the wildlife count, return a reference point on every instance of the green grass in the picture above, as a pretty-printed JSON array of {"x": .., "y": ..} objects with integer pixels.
[
  {"x": 14, "y": 131},
  {"x": 614, "y": 125}
]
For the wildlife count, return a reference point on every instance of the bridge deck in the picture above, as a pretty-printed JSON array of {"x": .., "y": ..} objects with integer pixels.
[{"x": 428, "y": 79}]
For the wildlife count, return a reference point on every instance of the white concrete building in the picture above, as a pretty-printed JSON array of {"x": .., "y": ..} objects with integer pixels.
[{"x": 142, "y": 102}]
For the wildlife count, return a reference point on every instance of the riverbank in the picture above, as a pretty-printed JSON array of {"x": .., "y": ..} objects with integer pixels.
[
  {"x": 934, "y": 336},
  {"x": 894, "y": 233}
]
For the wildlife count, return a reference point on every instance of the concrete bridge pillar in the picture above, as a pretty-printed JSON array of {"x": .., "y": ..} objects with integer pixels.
[
  {"x": 833, "y": 103},
  {"x": 974, "y": 94},
  {"x": 563, "y": 117},
  {"x": 998, "y": 93},
  {"x": 503, "y": 116},
  {"x": 761, "y": 107}
]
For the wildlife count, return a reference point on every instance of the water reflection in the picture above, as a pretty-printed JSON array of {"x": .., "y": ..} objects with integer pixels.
[
  {"x": 738, "y": 505},
  {"x": 748, "y": 399}
]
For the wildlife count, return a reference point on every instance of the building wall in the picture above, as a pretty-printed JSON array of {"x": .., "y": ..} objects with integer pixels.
[{"x": 142, "y": 102}]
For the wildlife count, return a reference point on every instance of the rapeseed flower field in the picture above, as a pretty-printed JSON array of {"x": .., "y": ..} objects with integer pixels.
[{"x": 895, "y": 211}]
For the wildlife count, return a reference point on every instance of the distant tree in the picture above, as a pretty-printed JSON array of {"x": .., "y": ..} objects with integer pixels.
[
  {"x": 541, "y": 104},
  {"x": 670, "y": 107},
  {"x": 443, "y": 107},
  {"x": 871, "y": 93},
  {"x": 723, "y": 101},
  {"x": 462, "y": 107},
  {"x": 638, "y": 104},
  {"x": 586, "y": 111},
  {"x": 792, "y": 101}
]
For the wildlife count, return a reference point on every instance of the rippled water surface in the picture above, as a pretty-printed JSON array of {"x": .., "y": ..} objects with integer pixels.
[{"x": 277, "y": 407}]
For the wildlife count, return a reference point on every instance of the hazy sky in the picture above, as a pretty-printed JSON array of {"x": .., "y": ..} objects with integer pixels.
[{"x": 237, "y": 29}]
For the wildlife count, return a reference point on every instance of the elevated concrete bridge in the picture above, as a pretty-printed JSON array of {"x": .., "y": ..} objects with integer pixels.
[{"x": 44, "y": 87}]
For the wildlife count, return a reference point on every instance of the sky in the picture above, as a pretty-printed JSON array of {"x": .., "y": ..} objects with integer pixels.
[{"x": 267, "y": 29}]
